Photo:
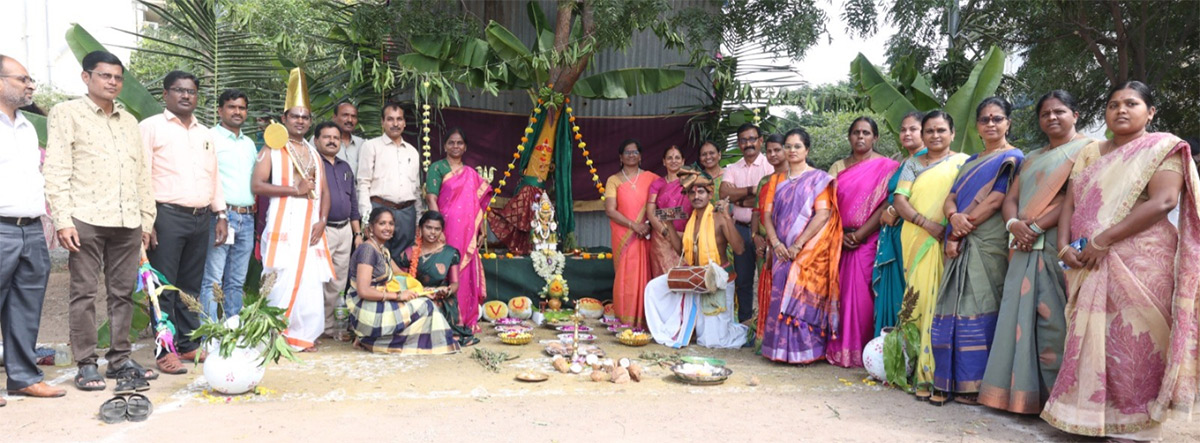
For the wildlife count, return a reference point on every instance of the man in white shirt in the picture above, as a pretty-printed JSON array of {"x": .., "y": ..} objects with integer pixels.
[
  {"x": 25, "y": 268},
  {"x": 389, "y": 176}
]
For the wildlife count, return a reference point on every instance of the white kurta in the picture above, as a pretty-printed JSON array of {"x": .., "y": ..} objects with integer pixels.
[
  {"x": 302, "y": 268},
  {"x": 673, "y": 316}
]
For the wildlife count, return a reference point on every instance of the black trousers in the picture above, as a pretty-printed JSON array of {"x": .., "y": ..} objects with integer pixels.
[{"x": 183, "y": 241}]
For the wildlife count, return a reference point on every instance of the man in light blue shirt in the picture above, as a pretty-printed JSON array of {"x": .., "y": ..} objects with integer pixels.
[{"x": 227, "y": 263}]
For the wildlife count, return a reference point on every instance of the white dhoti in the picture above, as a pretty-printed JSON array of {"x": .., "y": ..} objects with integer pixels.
[
  {"x": 673, "y": 317},
  {"x": 301, "y": 269}
]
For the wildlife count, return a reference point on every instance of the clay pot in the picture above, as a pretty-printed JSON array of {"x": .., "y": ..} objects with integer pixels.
[{"x": 554, "y": 304}]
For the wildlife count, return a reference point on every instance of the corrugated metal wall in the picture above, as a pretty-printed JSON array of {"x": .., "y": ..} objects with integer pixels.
[{"x": 646, "y": 51}]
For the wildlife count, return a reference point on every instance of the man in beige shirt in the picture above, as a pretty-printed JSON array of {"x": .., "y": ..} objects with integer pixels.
[
  {"x": 187, "y": 188},
  {"x": 98, "y": 187},
  {"x": 389, "y": 176}
]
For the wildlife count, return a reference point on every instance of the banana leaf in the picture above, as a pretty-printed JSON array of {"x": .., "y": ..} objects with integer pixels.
[
  {"x": 509, "y": 48},
  {"x": 982, "y": 83},
  {"x": 624, "y": 83},
  {"x": 134, "y": 96},
  {"x": 885, "y": 99}
]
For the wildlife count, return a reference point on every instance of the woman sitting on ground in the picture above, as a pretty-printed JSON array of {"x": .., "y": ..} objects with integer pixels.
[
  {"x": 438, "y": 268},
  {"x": 390, "y": 312}
]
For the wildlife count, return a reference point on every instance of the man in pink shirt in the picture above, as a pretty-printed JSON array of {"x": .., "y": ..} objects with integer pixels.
[
  {"x": 744, "y": 176},
  {"x": 183, "y": 171}
]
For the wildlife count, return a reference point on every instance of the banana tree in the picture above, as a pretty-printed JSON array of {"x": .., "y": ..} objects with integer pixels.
[
  {"x": 550, "y": 71},
  {"x": 914, "y": 94}
]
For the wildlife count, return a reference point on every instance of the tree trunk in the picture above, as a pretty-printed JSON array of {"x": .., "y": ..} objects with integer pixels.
[{"x": 564, "y": 77}]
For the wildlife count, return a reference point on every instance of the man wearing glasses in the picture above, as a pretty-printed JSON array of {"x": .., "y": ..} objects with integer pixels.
[
  {"x": 744, "y": 176},
  {"x": 183, "y": 170},
  {"x": 98, "y": 187},
  {"x": 25, "y": 268}
]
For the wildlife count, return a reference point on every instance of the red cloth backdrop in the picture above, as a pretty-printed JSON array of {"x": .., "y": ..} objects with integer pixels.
[{"x": 493, "y": 138}]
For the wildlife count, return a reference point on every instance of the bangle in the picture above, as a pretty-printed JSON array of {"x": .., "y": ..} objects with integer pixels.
[
  {"x": 1063, "y": 251},
  {"x": 1036, "y": 229},
  {"x": 891, "y": 210},
  {"x": 1008, "y": 224},
  {"x": 1096, "y": 245}
]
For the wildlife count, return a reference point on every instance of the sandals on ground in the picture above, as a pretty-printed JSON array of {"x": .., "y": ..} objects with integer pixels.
[
  {"x": 138, "y": 408},
  {"x": 131, "y": 381},
  {"x": 468, "y": 342},
  {"x": 115, "y": 372},
  {"x": 969, "y": 400},
  {"x": 114, "y": 410},
  {"x": 940, "y": 398},
  {"x": 89, "y": 374},
  {"x": 922, "y": 394},
  {"x": 170, "y": 364}
]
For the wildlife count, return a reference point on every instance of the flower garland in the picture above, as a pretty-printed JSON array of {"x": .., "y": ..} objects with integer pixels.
[
  {"x": 583, "y": 147},
  {"x": 516, "y": 155},
  {"x": 548, "y": 264}
]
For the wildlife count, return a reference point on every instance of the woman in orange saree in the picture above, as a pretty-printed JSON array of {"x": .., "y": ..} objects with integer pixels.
[
  {"x": 625, "y": 197},
  {"x": 766, "y": 196},
  {"x": 1131, "y": 352}
]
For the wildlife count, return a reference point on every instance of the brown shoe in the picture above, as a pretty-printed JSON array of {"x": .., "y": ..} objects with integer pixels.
[
  {"x": 191, "y": 355},
  {"x": 40, "y": 390},
  {"x": 3, "y": 402},
  {"x": 170, "y": 364}
]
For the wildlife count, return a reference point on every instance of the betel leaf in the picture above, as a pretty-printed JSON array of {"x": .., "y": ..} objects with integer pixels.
[{"x": 624, "y": 83}]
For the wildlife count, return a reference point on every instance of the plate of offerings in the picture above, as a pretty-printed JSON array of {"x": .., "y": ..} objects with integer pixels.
[
  {"x": 564, "y": 348},
  {"x": 508, "y": 321},
  {"x": 701, "y": 374},
  {"x": 703, "y": 361},
  {"x": 533, "y": 377},
  {"x": 630, "y": 338},
  {"x": 571, "y": 328},
  {"x": 581, "y": 338},
  {"x": 513, "y": 328},
  {"x": 615, "y": 329},
  {"x": 516, "y": 338}
]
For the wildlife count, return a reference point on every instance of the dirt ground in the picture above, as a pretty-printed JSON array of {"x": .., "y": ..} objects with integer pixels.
[{"x": 343, "y": 393}]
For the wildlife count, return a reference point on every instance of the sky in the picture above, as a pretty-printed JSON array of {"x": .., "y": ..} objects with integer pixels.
[{"x": 829, "y": 62}]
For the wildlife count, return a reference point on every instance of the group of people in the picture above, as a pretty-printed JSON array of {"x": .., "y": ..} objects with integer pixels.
[
  {"x": 329, "y": 216},
  {"x": 1054, "y": 282}
]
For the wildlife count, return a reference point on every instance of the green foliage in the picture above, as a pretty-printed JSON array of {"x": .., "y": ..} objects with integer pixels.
[
  {"x": 893, "y": 104},
  {"x": 829, "y": 135},
  {"x": 259, "y": 325},
  {"x": 141, "y": 322},
  {"x": 786, "y": 27},
  {"x": 899, "y": 351}
]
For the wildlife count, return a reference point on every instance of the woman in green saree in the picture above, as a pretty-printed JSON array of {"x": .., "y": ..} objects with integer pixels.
[
  {"x": 1027, "y": 349},
  {"x": 437, "y": 267}
]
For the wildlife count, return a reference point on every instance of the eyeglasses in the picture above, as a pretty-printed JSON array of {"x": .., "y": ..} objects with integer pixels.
[
  {"x": 794, "y": 146},
  {"x": 183, "y": 91},
  {"x": 21, "y": 78},
  {"x": 631, "y": 153},
  {"x": 108, "y": 77},
  {"x": 995, "y": 119},
  {"x": 750, "y": 140}
]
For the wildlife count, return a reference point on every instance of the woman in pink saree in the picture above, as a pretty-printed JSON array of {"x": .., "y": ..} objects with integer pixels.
[
  {"x": 862, "y": 188},
  {"x": 625, "y": 197},
  {"x": 1131, "y": 352},
  {"x": 461, "y": 195}
]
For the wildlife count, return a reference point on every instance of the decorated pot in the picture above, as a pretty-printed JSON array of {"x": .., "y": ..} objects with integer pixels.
[
  {"x": 520, "y": 307},
  {"x": 872, "y": 357},
  {"x": 554, "y": 304},
  {"x": 589, "y": 307},
  {"x": 494, "y": 309},
  {"x": 240, "y": 373}
]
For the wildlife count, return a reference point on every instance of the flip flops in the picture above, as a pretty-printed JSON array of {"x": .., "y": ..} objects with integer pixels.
[
  {"x": 135, "y": 408},
  {"x": 88, "y": 374},
  {"x": 131, "y": 380}
]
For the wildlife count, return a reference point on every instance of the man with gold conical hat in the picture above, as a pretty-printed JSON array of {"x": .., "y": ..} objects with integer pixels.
[{"x": 289, "y": 172}]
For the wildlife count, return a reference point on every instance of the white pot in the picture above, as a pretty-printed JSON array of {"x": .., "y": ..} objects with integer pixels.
[
  {"x": 873, "y": 357},
  {"x": 239, "y": 373}
]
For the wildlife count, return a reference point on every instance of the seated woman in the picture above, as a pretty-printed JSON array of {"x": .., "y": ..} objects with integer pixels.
[
  {"x": 437, "y": 269},
  {"x": 389, "y": 311}
]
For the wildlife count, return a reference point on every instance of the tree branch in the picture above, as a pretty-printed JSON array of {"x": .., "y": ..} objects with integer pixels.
[
  {"x": 1084, "y": 31},
  {"x": 1122, "y": 40}
]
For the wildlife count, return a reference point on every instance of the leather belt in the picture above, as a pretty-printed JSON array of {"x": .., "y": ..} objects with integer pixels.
[
  {"x": 746, "y": 224},
  {"x": 185, "y": 209},
  {"x": 20, "y": 221},
  {"x": 241, "y": 209},
  {"x": 388, "y": 204},
  {"x": 337, "y": 224}
]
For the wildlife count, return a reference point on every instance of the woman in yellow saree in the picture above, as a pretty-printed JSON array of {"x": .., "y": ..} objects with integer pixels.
[
  {"x": 625, "y": 197},
  {"x": 925, "y": 181},
  {"x": 1131, "y": 352}
]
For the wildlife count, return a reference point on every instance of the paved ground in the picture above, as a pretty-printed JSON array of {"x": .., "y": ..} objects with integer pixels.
[{"x": 339, "y": 393}]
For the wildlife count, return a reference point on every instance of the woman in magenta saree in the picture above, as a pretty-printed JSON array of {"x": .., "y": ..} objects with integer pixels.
[
  {"x": 461, "y": 195},
  {"x": 862, "y": 188},
  {"x": 668, "y": 209},
  {"x": 806, "y": 236},
  {"x": 1131, "y": 348}
]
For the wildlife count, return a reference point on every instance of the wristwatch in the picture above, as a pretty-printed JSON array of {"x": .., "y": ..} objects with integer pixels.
[{"x": 221, "y": 215}]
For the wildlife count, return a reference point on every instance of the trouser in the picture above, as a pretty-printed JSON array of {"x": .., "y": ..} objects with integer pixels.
[
  {"x": 24, "y": 271},
  {"x": 227, "y": 265},
  {"x": 743, "y": 265},
  {"x": 406, "y": 229},
  {"x": 340, "y": 242},
  {"x": 183, "y": 241},
  {"x": 119, "y": 251}
]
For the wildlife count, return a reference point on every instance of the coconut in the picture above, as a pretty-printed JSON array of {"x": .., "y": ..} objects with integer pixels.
[
  {"x": 635, "y": 372},
  {"x": 561, "y": 364},
  {"x": 600, "y": 376},
  {"x": 576, "y": 368},
  {"x": 624, "y": 363},
  {"x": 620, "y": 376}
]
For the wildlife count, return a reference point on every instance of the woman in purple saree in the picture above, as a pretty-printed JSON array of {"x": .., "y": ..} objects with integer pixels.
[{"x": 862, "y": 188}]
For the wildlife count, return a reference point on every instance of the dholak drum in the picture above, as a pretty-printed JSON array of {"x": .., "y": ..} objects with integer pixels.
[{"x": 692, "y": 279}]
